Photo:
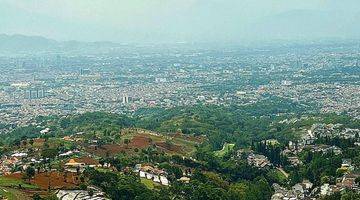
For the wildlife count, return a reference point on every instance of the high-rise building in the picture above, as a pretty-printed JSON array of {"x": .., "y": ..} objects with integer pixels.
[
  {"x": 35, "y": 93},
  {"x": 125, "y": 99},
  {"x": 40, "y": 93}
]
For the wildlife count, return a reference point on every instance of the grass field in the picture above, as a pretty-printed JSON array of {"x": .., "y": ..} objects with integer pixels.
[
  {"x": 14, "y": 183},
  {"x": 277, "y": 175},
  {"x": 13, "y": 194},
  {"x": 148, "y": 183},
  {"x": 9, "y": 188},
  {"x": 227, "y": 147}
]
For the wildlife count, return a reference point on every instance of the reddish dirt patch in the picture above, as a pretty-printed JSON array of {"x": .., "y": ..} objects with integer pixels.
[
  {"x": 57, "y": 180},
  {"x": 168, "y": 147},
  {"x": 140, "y": 141}
]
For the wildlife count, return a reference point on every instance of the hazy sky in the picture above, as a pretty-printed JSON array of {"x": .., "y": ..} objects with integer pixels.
[{"x": 181, "y": 20}]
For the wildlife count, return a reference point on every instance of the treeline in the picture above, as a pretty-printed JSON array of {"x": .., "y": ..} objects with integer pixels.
[
  {"x": 232, "y": 124},
  {"x": 219, "y": 123},
  {"x": 319, "y": 168},
  {"x": 236, "y": 124},
  {"x": 212, "y": 178},
  {"x": 202, "y": 186},
  {"x": 96, "y": 121},
  {"x": 271, "y": 151}
]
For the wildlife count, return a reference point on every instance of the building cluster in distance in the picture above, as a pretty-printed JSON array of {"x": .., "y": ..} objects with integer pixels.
[{"x": 122, "y": 82}]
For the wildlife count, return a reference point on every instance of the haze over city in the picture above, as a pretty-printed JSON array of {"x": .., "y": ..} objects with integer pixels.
[
  {"x": 159, "y": 21},
  {"x": 180, "y": 99}
]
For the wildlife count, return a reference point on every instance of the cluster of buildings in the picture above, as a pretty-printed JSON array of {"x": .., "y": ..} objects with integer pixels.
[
  {"x": 334, "y": 130},
  {"x": 258, "y": 160},
  {"x": 129, "y": 81},
  {"x": 152, "y": 173},
  {"x": 298, "y": 191},
  {"x": 78, "y": 165},
  {"x": 306, "y": 190},
  {"x": 348, "y": 181},
  {"x": 324, "y": 131}
]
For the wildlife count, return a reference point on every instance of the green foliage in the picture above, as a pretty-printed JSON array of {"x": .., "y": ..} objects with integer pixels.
[
  {"x": 13, "y": 183},
  {"x": 239, "y": 124},
  {"x": 227, "y": 148},
  {"x": 51, "y": 197},
  {"x": 30, "y": 172},
  {"x": 83, "y": 186},
  {"x": 96, "y": 121},
  {"x": 36, "y": 196},
  {"x": 120, "y": 187},
  {"x": 273, "y": 152},
  {"x": 172, "y": 170},
  {"x": 316, "y": 166},
  {"x": 211, "y": 186},
  {"x": 275, "y": 176},
  {"x": 218, "y": 174},
  {"x": 15, "y": 136},
  {"x": 49, "y": 153}
]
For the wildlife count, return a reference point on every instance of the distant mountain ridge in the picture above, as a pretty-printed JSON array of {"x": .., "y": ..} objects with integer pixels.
[{"x": 22, "y": 43}]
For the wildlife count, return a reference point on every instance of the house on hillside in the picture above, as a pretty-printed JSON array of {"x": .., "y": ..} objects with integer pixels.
[
  {"x": 298, "y": 191},
  {"x": 152, "y": 173},
  {"x": 79, "y": 164},
  {"x": 7, "y": 163},
  {"x": 348, "y": 182},
  {"x": 164, "y": 180},
  {"x": 294, "y": 160},
  {"x": 327, "y": 189},
  {"x": 69, "y": 153},
  {"x": 184, "y": 179},
  {"x": 73, "y": 166},
  {"x": 258, "y": 160},
  {"x": 45, "y": 131}
]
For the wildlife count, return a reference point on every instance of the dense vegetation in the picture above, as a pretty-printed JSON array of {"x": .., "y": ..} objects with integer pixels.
[
  {"x": 234, "y": 124},
  {"x": 217, "y": 174}
]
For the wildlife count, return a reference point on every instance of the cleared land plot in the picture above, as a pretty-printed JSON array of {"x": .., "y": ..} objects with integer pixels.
[
  {"x": 227, "y": 147},
  {"x": 56, "y": 180}
]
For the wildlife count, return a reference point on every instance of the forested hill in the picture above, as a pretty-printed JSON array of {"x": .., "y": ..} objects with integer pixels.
[
  {"x": 214, "y": 145},
  {"x": 220, "y": 124}
]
